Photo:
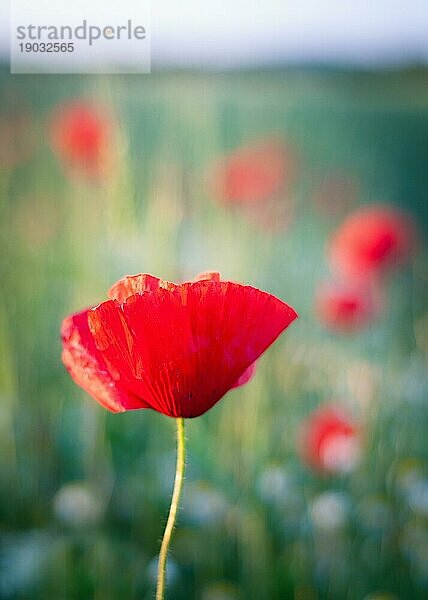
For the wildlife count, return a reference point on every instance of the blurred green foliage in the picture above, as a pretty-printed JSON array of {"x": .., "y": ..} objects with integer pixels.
[{"x": 85, "y": 493}]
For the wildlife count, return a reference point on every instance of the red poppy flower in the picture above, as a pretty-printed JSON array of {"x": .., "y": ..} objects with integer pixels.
[
  {"x": 330, "y": 441},
  {"x": 175, "y": 348},
  {"x": 372, "y": 240},
  {"x": 80, "y": 134},
  {"x": 255, "y": 173},
  {"x": 346, "y": 307}
]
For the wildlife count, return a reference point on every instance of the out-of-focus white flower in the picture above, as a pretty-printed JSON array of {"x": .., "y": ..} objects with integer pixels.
[
  {"x": 203, "y": 504},
  {"x": 330, "y": 510},
  {"x": 171, "y": 573},
  {"x": 23, "y": 558},
  {"x": 77, "y": 505},
  {"x": 276, "y": 485},
  {"x": 417, "y": 496},
  {"x": 342, "y": 454}
]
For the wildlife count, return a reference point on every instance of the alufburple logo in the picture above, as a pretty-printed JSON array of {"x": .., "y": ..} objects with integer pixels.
[
  {"x": 88, "y": 32},
  {"x": 62, "y": 37}
]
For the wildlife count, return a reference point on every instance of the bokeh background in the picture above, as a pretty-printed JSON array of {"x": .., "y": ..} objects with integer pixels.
[{"x": 249, "y": 171}]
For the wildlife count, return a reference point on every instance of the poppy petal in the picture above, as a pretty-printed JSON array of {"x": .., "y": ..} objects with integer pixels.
[
  {"x": 134, "y": 284},
  {"x": 183, "y": 347},
  {"x": 143, "y": 282},
  {"x": 246, "y": 376},
  {"x": 208, "y": 275},
  {"x": 88, "y": 368}
]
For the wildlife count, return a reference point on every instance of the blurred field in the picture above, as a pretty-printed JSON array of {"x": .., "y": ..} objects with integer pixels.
[{"x": 85, "y": 493}]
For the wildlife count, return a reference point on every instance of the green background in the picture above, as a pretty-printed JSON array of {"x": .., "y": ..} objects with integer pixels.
[{"x": 247, "y": 528}]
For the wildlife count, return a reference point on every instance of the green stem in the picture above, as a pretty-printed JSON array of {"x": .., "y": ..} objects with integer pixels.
[{"x": 178, "y": 486}]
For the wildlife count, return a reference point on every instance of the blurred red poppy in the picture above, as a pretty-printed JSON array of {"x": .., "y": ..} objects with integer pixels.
[
  {"x": 175, "y": 348},
  {"x": 346, "y": 307},
  {"x": 255, "y": 173},
  {"x": 80, "y": 134},
  {"x": 372, "y": 240},
  {"x": 330, "y": 441}
]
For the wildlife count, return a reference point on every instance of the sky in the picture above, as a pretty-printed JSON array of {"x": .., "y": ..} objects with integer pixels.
[{"x": 229, "y": 33}]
